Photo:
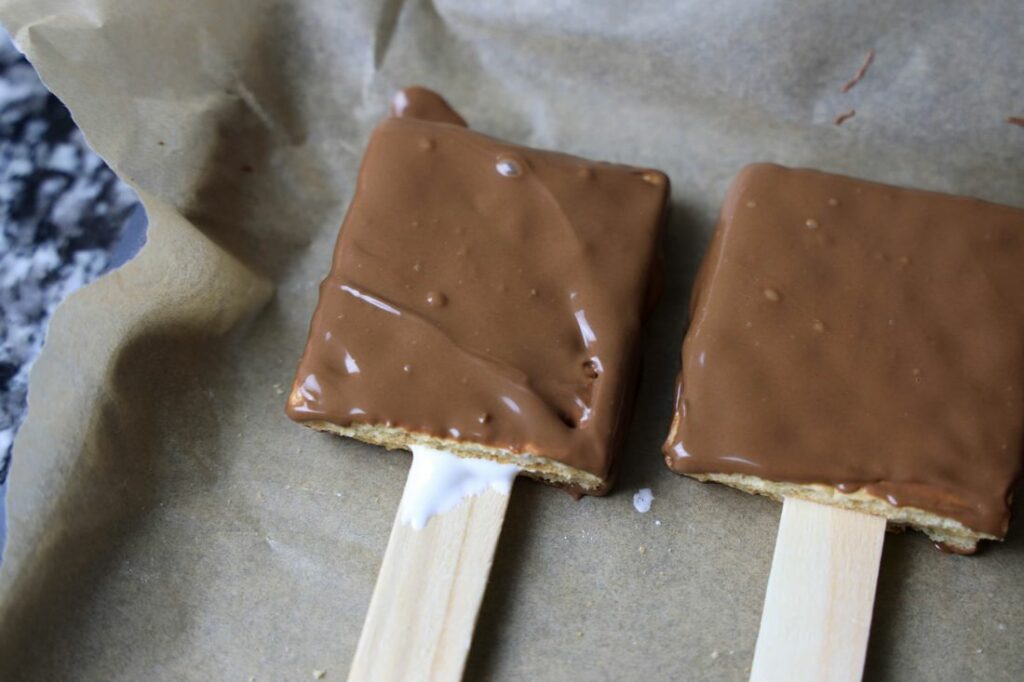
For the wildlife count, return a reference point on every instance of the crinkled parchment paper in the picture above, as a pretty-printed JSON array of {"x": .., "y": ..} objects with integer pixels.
[{"x": 168, "y": 522}]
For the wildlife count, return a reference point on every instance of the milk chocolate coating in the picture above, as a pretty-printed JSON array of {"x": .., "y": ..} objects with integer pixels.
[
  {"x": 485, "y": 292},
  {"x": 861, "y": 336}
]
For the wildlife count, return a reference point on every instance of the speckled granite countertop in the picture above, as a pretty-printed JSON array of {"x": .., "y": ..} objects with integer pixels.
[{"x": 62, "y": 213}]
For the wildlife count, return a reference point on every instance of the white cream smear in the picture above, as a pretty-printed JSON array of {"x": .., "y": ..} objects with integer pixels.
[{"x": 439, "y": 480}]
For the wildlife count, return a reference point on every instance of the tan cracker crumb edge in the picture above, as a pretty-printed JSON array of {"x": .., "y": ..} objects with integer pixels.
[
  {"x": 533, "y": 465},
  {"x": 942, "y": 529},
  {"x": 947, "y": 531}
]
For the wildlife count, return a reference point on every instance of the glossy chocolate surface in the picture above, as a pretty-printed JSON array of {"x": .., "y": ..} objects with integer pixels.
[
  {"x": 484, "y": 292},
  {"x": 862, "y": 336}
]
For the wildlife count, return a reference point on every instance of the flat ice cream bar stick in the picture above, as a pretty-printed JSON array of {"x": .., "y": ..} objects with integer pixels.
[
  {"x": 817, "y": 610},
  {"x": 429, "y": 589}
]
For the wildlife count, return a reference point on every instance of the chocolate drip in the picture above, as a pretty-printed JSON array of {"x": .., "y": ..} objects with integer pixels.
[{"x": 424, "y": 105}]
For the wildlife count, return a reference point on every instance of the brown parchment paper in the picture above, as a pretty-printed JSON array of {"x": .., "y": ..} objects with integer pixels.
[{"x": 168, "y": 522}]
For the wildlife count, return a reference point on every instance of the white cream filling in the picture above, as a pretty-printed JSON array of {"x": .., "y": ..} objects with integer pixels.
[{"x": 439, "y": 480}]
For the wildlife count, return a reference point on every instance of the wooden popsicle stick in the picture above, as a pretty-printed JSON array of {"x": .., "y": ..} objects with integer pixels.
[
  {"x": 821, "y": 591},
  {"x": 424, "y": 606}
]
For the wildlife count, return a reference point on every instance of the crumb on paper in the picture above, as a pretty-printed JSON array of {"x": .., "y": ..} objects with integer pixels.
[
  {"x": 642, "y": 500},
  {"x": 278, "y": 389},
  {"x": 643, "y": 550},
  {"x": 579, "y": 634},
  {"x": 319, "y": 674},
  {"x": 657, "y": 522},
  {"x": 714, "y": 655},
  {"x": 861, "y": 72},
  {"x": 1015, "y": 120},
  {"x": 844, "y": 117}
]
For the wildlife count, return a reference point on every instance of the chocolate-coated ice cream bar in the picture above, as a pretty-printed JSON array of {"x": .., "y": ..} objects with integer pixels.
[
  {"x": 485, "y": 299},
  {"x": 859, "y": 345}
]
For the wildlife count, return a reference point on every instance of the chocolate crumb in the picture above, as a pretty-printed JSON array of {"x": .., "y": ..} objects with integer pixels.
[
  {"x": 861, "y": 72},
  {"x": 844, "y": 117},
  {"x": 1016, "y": 120}
]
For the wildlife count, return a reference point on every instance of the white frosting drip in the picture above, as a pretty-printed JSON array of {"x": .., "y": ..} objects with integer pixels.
[{"x": 439, "y": 480}]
